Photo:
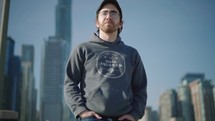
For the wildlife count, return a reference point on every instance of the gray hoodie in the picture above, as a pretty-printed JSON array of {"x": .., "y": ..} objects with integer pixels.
[{"x": 107, "y": 78}]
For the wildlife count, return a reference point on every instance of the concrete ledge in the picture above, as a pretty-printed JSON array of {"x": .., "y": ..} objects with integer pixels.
[{"x": 8, "y": 115}]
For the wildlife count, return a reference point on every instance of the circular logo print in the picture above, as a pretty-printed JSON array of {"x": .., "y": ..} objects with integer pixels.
[{"x": 110, "y": 64}]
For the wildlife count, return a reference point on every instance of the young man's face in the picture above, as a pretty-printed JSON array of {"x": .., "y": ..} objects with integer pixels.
[{"x": 108, "y": 19}]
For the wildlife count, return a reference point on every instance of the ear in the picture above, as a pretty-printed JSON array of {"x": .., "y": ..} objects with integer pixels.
[
  {"x": 121, "y": 24},
  {"x": 97, "y": 24}
]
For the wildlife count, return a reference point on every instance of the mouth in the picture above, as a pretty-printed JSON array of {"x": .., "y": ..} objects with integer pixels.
[{"x": 108, "y": 22}]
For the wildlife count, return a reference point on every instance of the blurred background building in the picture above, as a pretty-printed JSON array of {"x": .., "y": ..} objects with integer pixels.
[
  {"x": 55, "y": 53},
  {"x": 193, "y": 101},
  {"x": 28, "y": 92},
  {"x": 168, "y": 105}
]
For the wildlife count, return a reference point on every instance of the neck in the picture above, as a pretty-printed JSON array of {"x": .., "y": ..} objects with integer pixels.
[{"x": 109, "y": 37}]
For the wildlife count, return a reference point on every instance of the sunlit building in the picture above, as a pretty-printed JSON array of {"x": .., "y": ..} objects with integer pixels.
[
  {"x": 28, "y": 98},
  {"x": 202, "y": 99},
  {"x": 168, "y": 105}
]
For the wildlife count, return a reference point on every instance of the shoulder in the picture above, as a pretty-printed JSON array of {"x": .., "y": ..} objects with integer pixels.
[
  {"x": 82, "y": 46},
  {"x": 130, "y": 49}
]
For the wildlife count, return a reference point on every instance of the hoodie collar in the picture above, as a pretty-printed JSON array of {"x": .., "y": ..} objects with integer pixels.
[{"x": 97, "y": 39}]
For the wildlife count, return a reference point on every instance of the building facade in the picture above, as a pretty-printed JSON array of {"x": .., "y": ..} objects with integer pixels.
[
  {"x": 63, "y": 33},
  {"x": 17, "y": 82},
  {"x": 148, "y": 114},
  {"x": 189, "y": 77},
  {"x": 28, "y": 101},
  {"x": 168, "y": 105},
  {"x": 202, "y": 99},
  {"x": 53, "y": 66},
  {"x": 63, "y": 20},
  {"x": 214, "y": 95},
  {"x": 185, "y": 107}
]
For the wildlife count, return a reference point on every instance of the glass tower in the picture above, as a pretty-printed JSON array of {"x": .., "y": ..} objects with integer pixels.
[
  {"x": 63, "y": 20},
  {"x": 52, "y": 80},
  {"x": 55, "y": 54}
]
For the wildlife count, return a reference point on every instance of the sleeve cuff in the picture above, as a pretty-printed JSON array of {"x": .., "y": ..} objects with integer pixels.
[{"x": 78, "y": 111}]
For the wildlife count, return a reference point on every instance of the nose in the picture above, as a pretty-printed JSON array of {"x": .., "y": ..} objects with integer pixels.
[{"x": 108, "y": 15}]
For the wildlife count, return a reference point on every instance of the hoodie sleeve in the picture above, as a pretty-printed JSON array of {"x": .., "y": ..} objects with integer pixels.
[
  {"x": 139, "y": 88},
  {"x": 73, "y": 77}
]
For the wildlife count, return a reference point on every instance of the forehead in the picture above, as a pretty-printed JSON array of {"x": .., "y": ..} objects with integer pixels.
[{"x": 109, "y": 7}]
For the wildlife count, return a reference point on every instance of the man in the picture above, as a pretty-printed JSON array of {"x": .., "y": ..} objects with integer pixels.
[{"x": 105, "y": 79}]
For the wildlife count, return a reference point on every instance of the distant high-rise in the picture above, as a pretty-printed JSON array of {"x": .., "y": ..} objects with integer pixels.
[
  {"x": 28, "y": 102},
  {"x": 28, "y": 55},
  {"x": 185, "y": 103},
  {"x": 16, "y": 92},
  {"x": 202, "y": 99},
  {"x": 63, "y": 31},
  {"x": 214, "y": 95},
  {"x": 189, "y": 77},
  {"x": 155, "y": 116},
  {"x": 168, "y": 105},
  {"x": 52, "y": 79},
  {"x": 55, "y": 54},
  {"x": 8, "y": 73},
  {"x": 147, "y": 116},
  {"x": 150, "y": 115},
  {"x": 63, "y": 20}
]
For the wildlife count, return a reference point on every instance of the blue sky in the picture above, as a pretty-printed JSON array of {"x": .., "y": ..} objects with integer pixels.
[{"x": 172, "y": 37}]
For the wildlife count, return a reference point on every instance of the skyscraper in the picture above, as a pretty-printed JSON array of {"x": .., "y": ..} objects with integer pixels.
[
  {"x": 148, "y": 114},
  {"x": 214, "y": 95},
  {"x": 63, "y": 20},
  {"x": 202, "y": 99},
  {"x": 8, "y": 74},
  {"x": 189, "y": 77},
  {"x": 185, "y": 103},
  {"x": 56, "y": 52},
  {"x": 52, "y": 79},
  {"x": 16, "y": 87},
  {"x": 28, "y": 84},
  {"x": 168, "y": 105},
  {"x": 155, "y": 116}
]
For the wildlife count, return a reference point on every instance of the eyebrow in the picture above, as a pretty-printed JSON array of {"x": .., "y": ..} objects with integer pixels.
[{"x": 109, "y": 11}]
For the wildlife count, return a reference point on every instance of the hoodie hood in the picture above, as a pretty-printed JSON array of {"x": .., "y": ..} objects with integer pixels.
[{"x": 97, "y": 39}]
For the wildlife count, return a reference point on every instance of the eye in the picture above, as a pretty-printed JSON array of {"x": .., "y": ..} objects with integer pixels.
[
  {"x": 113, "y": 13},
  {"x": 105, "y": 13}
]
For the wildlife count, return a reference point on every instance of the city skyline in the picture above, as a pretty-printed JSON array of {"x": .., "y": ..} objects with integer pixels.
[{"x": 172, "y": 37}]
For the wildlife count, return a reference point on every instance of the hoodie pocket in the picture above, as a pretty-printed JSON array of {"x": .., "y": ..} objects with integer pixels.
[{"x": 108, "y": 100}]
